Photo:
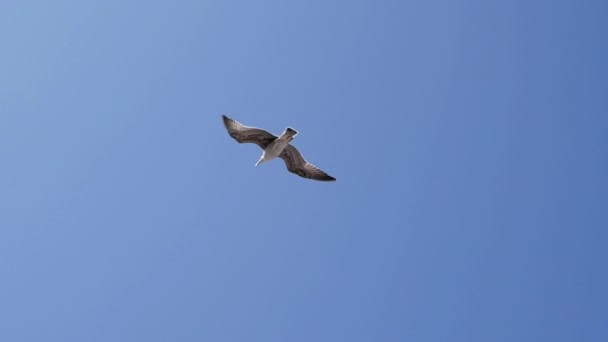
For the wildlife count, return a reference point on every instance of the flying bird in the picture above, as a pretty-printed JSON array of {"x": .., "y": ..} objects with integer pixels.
[{"x": 274, "y": 146}]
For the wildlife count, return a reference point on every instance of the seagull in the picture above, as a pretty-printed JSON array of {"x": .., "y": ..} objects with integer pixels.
[{"x": 274, "y": 146}]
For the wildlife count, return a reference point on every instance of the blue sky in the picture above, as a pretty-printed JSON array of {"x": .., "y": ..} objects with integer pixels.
[{"x": 468, "y": 139}]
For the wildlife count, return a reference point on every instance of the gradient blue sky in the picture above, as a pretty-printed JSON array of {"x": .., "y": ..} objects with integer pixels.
[{"x": 469, "y": 140}]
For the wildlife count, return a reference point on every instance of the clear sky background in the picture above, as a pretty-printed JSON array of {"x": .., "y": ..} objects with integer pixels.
[{"x": 469, "y": 141}]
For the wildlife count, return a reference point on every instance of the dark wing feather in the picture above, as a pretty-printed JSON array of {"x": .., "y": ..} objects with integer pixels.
[
  {"x": 246, "y": 134},
  {"x": 297, "y": 164}
]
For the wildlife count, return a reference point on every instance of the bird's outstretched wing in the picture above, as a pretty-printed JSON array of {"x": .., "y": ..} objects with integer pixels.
[
  {"x": 246, "y": 134},
  {"x": 297, "y": 164}
]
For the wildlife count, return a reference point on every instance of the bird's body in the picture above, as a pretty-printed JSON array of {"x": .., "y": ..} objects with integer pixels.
[
  {"x": 277, "y": 146},
  {"x": 274, "y": 147}
]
